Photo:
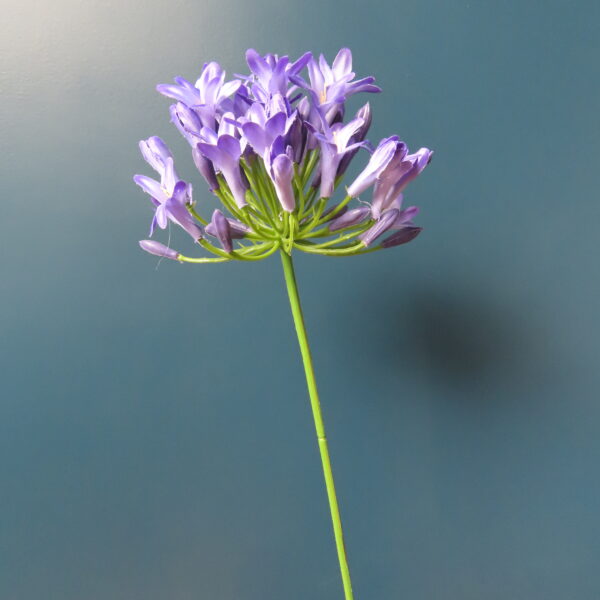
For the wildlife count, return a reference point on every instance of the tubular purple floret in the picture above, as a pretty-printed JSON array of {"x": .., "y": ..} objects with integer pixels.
[
  {"x": 403, "y": 236},
  {"x": 350, "y": 218},
  {"x": 158, "y": 249},
  {"x": 385, "y": 222},
  {"x": 222, "y": 230}
]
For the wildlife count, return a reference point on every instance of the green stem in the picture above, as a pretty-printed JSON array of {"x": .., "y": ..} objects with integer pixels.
[
  {"x": 292, "y": 288},
  {"x": 350, "y": 250}
]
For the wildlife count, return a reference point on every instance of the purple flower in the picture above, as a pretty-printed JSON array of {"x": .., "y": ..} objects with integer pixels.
[
  {"x": 311, "y": 119},
  {"x": 187, "y": 122},
  {"x": 335, "y": 143},
  {"x": 176, "y": 210},
  {"x": 155, "y": 153},
  {"x": 405, "y": 235},
  {"x": 158, "y": 249},
  {"x": 237, "y": 229},
  {"x": 330, "y": 86},
  {"x": 363, "y": 113},
  {"x": 282, "y": 174},
  {"x": 159, "y": 157},
  {"x": 281, "y": 170},
  {"x": 183, "y": 91},
  {"x": 169, "y": 196},
  {"x": 225, "y": 150},
  {"x": 387, "y": 149},
  {"x": 386, "y": 222},
  {"x": 222, "y": 230},
  {"x": 209, "y": 97},
  {"x": 350, "y": 218},
  {"x": 272, "y": 73},
  {"x": 400, "y": 171},
  {"x": 406, "y": 215},
  {"x": 261, "y": 131},
  {"x": 206, "y": 169}
]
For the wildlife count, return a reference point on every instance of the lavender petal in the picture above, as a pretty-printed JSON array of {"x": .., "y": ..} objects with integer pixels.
[{"x": 405, "y": 235}]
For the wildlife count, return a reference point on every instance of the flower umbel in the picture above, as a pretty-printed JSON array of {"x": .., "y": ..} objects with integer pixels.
[{"x": 273, "y": 147}]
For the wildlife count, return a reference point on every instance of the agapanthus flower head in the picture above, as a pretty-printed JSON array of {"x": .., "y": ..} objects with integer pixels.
[{"x": 273, "y": 146}]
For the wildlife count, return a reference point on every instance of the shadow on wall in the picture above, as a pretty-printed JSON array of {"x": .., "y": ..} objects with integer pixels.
[
  {"x": 462, "y": 337},
  {"x": 456, "y": 336}
]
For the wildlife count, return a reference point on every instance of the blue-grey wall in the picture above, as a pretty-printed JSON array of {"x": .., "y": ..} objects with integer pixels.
[{"x": 155, "y": 435}]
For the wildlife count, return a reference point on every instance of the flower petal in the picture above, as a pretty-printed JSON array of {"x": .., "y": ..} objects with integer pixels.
[
  {"x": 383, "y": 224},
  {"x": 342, "y": 63},
  {"x": 350, "y": 218},
  {"x": 150, "y": 186},
  {"x": 405, "y": 235}
]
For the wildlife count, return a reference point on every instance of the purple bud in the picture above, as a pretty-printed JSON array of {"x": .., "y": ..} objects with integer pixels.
[
  {"x": 365, "y": 114},
  {"x": 282, "y": 175},
  {"x": 387, "y": 149},
  {"x": 304, "y": 108},
  {"x": 297, "y": 137},
  {"x": 206, "y": 168},
  {"x": 189, "y": 120},
  {"x": 406, "y": 216},
  {"x": 405, "y": 235},
  {"x": 237, "y": 228},
  {"x": 158, "y": 249},
  {"x": 420, "y": 159},
  {"x": 384, "y": 223},
  {"x": 222, "y": 230},
  {"x": 350, "y": 218},
  {"x": 155, "y": 153},
  {"x": 308, "y": 115}
]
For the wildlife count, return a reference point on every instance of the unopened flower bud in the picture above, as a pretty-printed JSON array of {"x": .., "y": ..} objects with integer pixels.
[
  {"x": 158, "y": 249},
  {"x": 206, "y": 168},
  {"x": 237, "y": 228},
  {"x": 350, "y": 218},
  {"x": 222, "y": 230},
  {"x": 365, "y": 114},
  {"x": 282, "y": 175},
  {"x": 403, "y": 236}
]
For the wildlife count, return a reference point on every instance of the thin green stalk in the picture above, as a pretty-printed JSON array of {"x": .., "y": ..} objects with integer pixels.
[
  {"x": 190, "y": 259},
  {"x": 350, "y": 250},
  {"x": 336, "y": 210},
  {"x": 342, "y": 238},
  {"x": 292, "y": 288}
]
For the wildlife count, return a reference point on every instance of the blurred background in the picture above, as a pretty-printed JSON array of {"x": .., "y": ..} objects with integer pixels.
[{"x": 155, "y": 435}]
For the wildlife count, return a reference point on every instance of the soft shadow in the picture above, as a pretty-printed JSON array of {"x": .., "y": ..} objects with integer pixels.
[
  {"x": 457, "y": 335},
  {"x": 462, "y": 336}
]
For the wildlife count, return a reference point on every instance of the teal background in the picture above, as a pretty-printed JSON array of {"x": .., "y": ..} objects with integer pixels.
[{"x": 155, "y": 435}]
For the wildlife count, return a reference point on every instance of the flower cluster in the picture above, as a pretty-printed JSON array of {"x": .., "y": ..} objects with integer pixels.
[{"x": 273, "y": 147}]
